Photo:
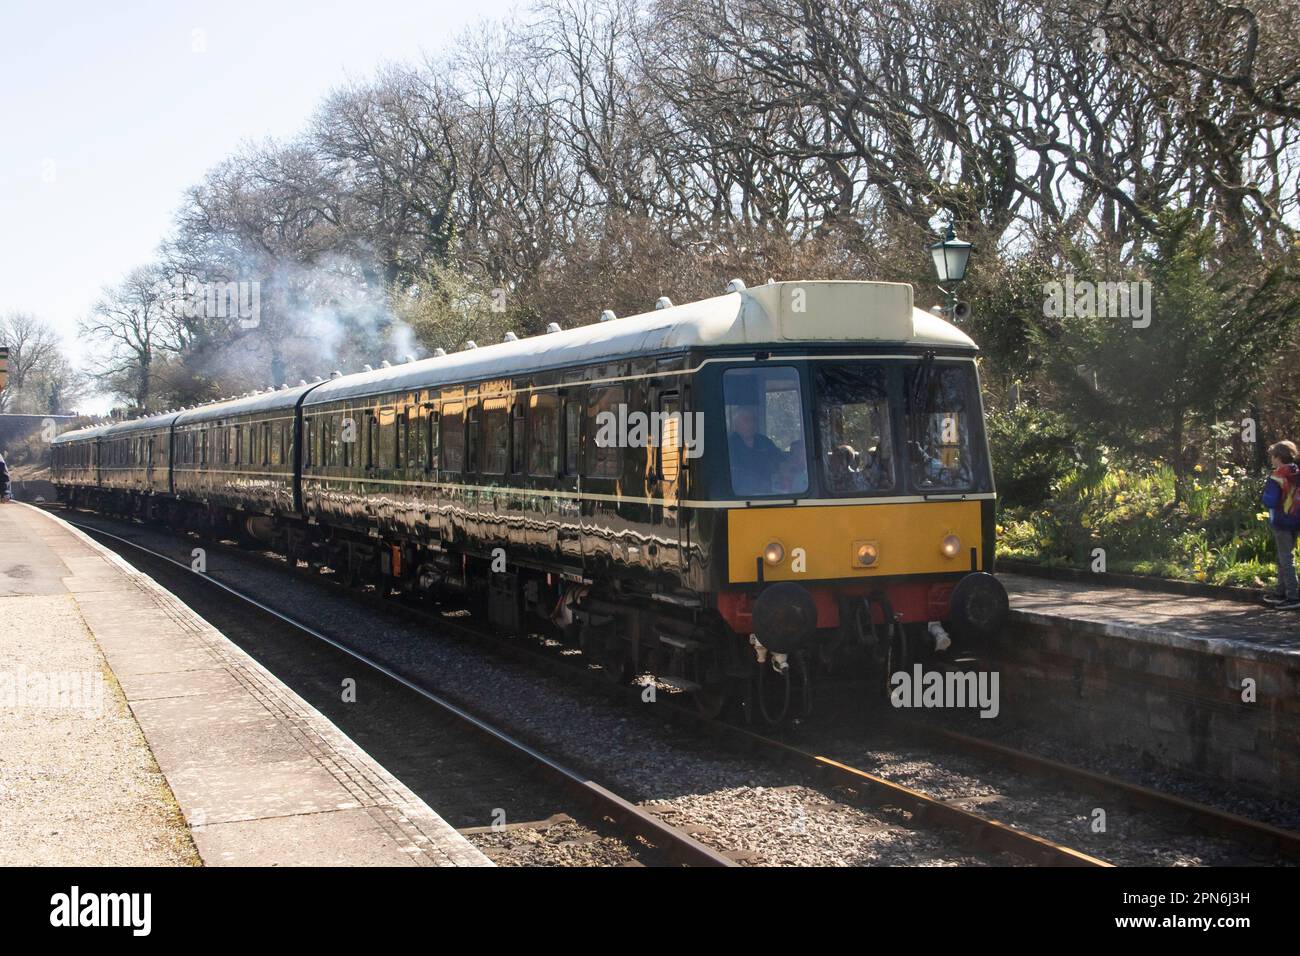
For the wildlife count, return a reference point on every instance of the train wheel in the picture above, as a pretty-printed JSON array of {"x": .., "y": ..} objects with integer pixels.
[
  {"x": 711, "y": 700},
  {"x": 615, "y": 665},
  {"x": 899, "y": 657}
]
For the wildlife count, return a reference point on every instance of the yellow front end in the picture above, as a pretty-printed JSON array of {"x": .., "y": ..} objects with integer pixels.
[{"x": 853, "y": 542}]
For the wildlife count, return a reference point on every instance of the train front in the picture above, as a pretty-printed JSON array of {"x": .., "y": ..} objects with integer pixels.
[{"x": 860, "y": 524}]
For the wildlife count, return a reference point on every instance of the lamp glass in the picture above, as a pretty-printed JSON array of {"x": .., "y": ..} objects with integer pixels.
[{"x": 951, "y": 258}]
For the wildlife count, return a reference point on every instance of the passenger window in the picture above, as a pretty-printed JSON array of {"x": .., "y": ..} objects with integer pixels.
[
  {"x": 386, "y": 455},
  {"x": 517, "y": 446},
  {"x": 452, "y": 451},
  {"x": 572, "y": 435},
  {"x": 543, "y": 447},
  {"x": 495, "y": 437},
  {"x": 412, "y": 439},
  {"x": 670, "y": 438},
  {"x": 603, "y": 440},
  {"x": 435, "y": 440},
  {"x": 472, "y": 438}
]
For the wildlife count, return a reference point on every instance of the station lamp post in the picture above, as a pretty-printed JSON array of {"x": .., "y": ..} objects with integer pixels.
[{"x": 951, "y": 256}]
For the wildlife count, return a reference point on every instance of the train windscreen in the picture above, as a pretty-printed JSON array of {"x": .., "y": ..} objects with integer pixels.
[
  {"x": 941, "y": 402},
  {"x": 853, "y": 429},
  {"x": 765, "y": 440}
]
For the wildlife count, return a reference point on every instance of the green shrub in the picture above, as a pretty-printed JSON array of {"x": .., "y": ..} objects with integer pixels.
[
  {"x": 1032, "y": 449},
  {"x": 1250, "y": 574},
  {"x": 1214, "y": 531}
]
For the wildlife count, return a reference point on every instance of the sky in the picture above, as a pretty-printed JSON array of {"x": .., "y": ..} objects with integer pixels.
[{"x": 108, "y": 112}]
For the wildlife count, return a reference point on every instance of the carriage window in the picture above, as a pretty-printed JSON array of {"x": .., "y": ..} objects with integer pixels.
[
  {"x": 399, "y": 439},
  {"x": 856, "y": 444},
  {"x": 495, "y": 437},
  {"x": 572, "y": 434},
  {"x": 543, "y": 449},
  {"x": 277, "y": 443},
  {"x": 435, "y": 440},
  {"x": 765, "y": 439},
  {"x": 602, "y": 438},
  {"x": 453, "y": 438},
  {"x": 517, "y": 447},
  {"x": 385, "y": 425},
  {"x": 940, "y": 402},
  {"x": 670, "y": 438},
  {"x": 412, "y": 438},
  {"x": 472, "y": 442}
]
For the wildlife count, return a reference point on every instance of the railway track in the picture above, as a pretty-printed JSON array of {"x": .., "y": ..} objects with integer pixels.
[
  {"x": 1211, "y": 819},
  {"x": 633, "y": 821},
  {"x": 978, "y": 831}
]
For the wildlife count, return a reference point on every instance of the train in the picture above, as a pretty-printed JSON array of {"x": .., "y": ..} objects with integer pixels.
[{"x": 742, "y": 496}]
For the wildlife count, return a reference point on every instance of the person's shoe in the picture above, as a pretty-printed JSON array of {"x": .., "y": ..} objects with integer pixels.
[
  {"x": 1274, "y": 598},
  {"x": 1290, "y": 604}
]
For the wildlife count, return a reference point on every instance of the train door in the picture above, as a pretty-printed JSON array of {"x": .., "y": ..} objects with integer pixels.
[
  {"x": 665, "y": 482},
  {"x": 568, "y": 503}
]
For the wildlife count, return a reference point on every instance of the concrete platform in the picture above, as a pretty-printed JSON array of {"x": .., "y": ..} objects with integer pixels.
[
  {"x": 1203, "y": 625},
  {"x": 1201, "y": 684},
  {"x": 262, "y": 778}
]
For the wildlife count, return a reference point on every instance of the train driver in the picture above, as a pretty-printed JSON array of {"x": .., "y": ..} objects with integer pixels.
[{"x": 755, "y": 459}]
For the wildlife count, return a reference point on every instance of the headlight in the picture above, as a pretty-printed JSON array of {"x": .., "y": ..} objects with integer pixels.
[
  {"x": 950, "y": 546},
  {"x": 774, "y": 553},
  {"x": 866, "y": 553}
]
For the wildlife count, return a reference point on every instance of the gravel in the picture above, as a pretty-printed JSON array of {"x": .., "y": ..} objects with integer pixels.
[{"x": 563, "y": 842}]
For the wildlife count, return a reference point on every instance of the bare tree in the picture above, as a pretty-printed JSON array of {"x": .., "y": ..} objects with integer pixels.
[
  {"x": 136, "y": 325},
  {"x": 33, "y": 349}
]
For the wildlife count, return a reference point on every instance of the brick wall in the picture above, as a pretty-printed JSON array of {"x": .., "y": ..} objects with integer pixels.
[{"x": 1176, "y": 706}]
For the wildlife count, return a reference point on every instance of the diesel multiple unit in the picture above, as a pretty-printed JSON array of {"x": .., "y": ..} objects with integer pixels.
[{"x": 735, "y": 494}]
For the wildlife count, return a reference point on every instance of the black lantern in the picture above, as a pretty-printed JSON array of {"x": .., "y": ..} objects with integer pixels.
[{"x": 950, "y": 258}]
